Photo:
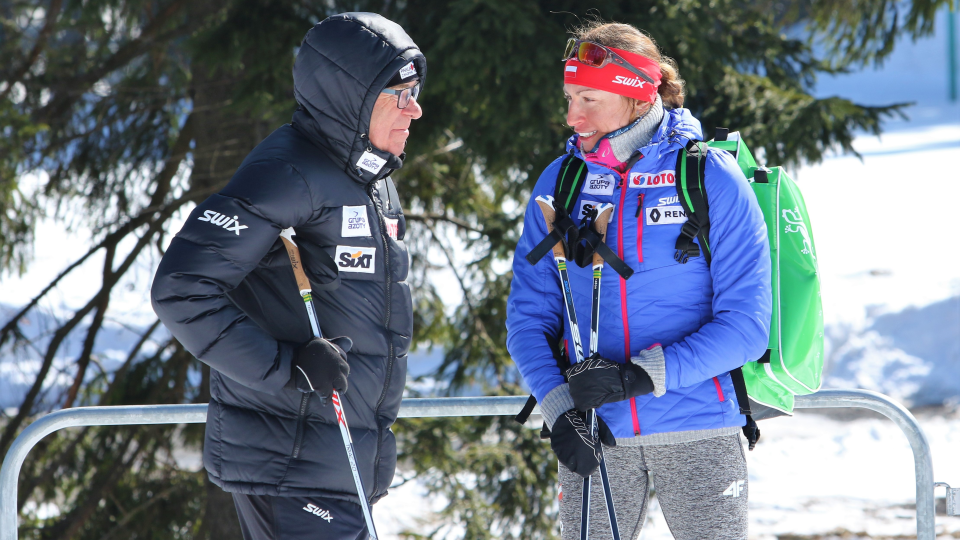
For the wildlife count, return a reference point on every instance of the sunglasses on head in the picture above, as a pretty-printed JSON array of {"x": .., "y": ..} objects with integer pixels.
[
  {"x": 404, "y": 95},
  {"x": 595, "y": 55}
]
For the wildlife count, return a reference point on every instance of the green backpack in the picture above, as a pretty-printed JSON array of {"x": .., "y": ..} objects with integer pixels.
[{"x": 793, "y": 363}]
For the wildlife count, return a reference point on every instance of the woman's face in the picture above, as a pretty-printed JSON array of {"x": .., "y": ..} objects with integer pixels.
[{"x": 593, "y": 113}]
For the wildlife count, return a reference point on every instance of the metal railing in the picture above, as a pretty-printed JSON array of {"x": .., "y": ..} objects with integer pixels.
[{"x": 436, "y": 407}]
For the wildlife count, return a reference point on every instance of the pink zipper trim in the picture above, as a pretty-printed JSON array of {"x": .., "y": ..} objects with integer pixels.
[
  {"x": 623, "y": 297},
  {"x": 716, "y": 383}
]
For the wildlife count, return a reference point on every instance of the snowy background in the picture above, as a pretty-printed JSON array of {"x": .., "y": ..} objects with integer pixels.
[{"x": 884, "y": 233}]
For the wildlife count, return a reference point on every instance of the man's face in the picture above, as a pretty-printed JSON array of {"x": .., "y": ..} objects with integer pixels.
[{"x": 390, "y": 126}]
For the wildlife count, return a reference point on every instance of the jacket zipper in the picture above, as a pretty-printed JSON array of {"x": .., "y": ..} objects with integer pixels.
[
  {"x": 640, "y": 219},
  {"x": 386, "y": 325},
  {"x": 623, "y": 295},
  {"x": 301, "y": 419}
]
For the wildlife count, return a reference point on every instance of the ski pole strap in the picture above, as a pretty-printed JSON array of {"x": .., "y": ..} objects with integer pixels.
[
  {"x": 692, "y": 194},
  {"x": 564, "y": 231},
  {"x": 591, "y": 242},
  {"x": 524, "y": 414}
]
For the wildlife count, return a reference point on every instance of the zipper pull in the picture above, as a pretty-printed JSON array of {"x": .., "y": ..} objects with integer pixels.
[{"x": 639, "y": 204}]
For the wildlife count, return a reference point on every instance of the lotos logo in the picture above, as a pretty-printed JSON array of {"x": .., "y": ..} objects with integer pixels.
[
  {"x": 356, "y": 259},
  {"x": 627, "y": 81},
  {"x": 216, "y": 218},
  {"x": 393, "y": 227},
  {"x": 652, "y": 180},
  {"x": 319, "y": 512}
]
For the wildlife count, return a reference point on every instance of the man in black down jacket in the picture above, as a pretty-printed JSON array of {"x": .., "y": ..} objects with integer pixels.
[{"x": 225, "y": 289}]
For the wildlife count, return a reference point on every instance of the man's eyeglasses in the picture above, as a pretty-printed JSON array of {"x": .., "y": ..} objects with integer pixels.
[
  {"x": 404, "y": 95},
  {"x": 595, "y": 55}
]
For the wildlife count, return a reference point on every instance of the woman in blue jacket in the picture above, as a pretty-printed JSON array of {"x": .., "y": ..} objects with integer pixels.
[{"x": 670, "y": 334}]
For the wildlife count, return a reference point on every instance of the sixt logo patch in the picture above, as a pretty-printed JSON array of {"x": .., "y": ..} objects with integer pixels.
[
  {"x": 355, "y": 222},
  {"x": 371, "y": 162},
  {"x": 220, "y": 220},
  {"x": 599, "y": 184},
  {"x": 628, "y": 81},
  {"x": 356, "y": 259},
  {"x": 652, "y": 180},
  {"x": 665, "y": 215},
  {"x": 319, "y": 512}
]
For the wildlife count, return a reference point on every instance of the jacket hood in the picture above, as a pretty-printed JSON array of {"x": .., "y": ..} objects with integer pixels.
[
  {"x": 344, "y": 62},
  {"x": 677, "y": 127}
]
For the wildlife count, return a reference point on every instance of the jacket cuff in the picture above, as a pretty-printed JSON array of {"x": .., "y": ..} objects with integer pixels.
[
  {"x": 652, "y": 361},
  {"x": 555, "y": 403}
]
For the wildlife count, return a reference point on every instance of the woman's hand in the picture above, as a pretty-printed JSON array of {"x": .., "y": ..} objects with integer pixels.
[{"x": 597, "y": 381}]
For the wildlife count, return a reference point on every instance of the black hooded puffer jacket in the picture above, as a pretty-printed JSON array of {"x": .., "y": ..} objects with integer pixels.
[{"x": 225, "y": 288}]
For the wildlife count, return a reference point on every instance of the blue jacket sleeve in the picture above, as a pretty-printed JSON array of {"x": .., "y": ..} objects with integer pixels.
[
  {"x": 740, "y": 271},
  {"x": 221, "y": 242},
  {"x": 535, "y": 305}
]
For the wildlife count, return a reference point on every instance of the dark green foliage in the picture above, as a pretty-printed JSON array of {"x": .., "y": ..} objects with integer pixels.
[{"x": 115, "y": 114}]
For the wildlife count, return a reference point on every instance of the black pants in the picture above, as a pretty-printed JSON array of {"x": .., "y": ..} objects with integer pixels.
[{"x": 263, "y": 517}]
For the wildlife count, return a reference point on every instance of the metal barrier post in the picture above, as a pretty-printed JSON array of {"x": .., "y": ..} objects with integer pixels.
[
  {"x": 922, "y": 460},
  {"x": 434, "y": 407}
]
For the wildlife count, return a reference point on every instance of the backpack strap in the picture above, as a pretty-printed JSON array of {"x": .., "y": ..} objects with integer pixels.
[
  {"x": 692, "y": 194},
  {"x": 750, "y": 430},
  {"x": 573, "y": 174}
]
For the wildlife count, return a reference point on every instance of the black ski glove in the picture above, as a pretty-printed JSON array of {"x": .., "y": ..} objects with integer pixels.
[
  {"x": 320, "y": 365},
  {"x": 575, "y": 446},
  {"x": 596, "y": 381}
]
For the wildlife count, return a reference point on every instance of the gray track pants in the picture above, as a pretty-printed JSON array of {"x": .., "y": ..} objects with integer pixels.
[{"x": 701, "y": 485}]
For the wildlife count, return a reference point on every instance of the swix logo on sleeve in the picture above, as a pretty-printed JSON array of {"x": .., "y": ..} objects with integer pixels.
[
  {"x": 665, "y": 215},
  {"x": 627, "y": 81},
  {"x": 356, "y": 259},
  {"x": 586, "y": 207},
  {"x": 355, "y": 222},
  {"x": 599, "y": 184},
  {"x": 371, "y": 162},
  {"x": 393, "y": 228},
  {"x": 220, "y": 220},
  {"x": 652, "y": 180},
  {"x": 319, "y": 512}
]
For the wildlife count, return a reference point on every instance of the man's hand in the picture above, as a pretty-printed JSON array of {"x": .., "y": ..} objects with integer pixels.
[
  {"x": 320, "y": 365},
  {"x": 575, "y": 446},
  {"x": 597, "y": 381}
]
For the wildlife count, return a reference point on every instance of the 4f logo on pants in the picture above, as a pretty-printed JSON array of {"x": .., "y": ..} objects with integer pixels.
[
  {"x": 735, "y": 490},
  {"x": 319, "y": 512},
  {"x": 356, "y": 259}
]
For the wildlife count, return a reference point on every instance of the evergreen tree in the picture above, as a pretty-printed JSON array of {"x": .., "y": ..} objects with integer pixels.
[{"x": 130, "y": 111}]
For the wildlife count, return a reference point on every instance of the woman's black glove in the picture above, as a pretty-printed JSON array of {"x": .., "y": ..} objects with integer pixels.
[
  {"x": 596, "y": 381},
  {"x": 320, "y": 365},
  {"x": 575, "y": 446}
]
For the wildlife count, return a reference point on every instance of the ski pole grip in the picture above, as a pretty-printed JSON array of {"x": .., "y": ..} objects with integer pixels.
[
  {"x": 549, "y": 216},
  {"x": 297, "y": 264},
  {"x": 600, "y": 224}
]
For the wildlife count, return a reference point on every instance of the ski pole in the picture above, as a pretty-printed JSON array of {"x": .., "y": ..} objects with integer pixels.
[
  {"x": 549, "y": 214},
  {"x": 305, "y": 292}
]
